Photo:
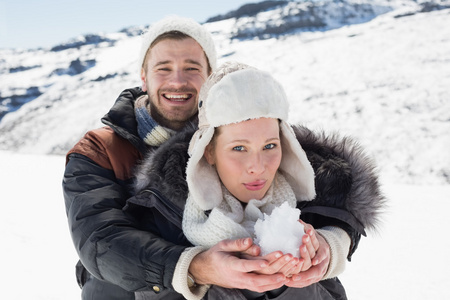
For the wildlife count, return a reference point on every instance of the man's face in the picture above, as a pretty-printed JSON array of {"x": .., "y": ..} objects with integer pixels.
[{"x": 175, "y": 72}]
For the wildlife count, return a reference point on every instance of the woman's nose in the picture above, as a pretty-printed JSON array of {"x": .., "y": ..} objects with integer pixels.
[{"x": 256, "y": 164}]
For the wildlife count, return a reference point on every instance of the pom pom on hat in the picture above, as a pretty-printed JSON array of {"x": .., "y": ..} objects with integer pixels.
[
  {"x": 185, "y": 25},
  {"x": 232, "y": 94}
]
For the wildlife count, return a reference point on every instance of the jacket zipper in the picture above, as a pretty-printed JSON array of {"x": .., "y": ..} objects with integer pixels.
[{"x": 166, "y": 202}]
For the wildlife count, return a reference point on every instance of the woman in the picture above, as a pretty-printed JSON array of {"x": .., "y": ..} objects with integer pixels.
[{"x": 244, "y": 161}]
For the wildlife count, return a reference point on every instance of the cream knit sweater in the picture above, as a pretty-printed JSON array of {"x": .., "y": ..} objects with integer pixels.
[{"x": 230, "y": 220}]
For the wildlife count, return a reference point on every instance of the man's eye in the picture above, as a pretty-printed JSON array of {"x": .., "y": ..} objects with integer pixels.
[{"x": 238, "y": 148}]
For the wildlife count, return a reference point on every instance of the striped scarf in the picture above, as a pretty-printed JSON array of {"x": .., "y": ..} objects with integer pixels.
[{"x": 149, "y": 130}]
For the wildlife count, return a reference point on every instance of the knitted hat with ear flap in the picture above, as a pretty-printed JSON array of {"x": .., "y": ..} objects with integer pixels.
[{"x": 232, "y": 94}]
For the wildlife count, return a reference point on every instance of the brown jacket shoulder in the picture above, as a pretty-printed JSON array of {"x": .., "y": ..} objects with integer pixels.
[{"x": 108, "y": 150}]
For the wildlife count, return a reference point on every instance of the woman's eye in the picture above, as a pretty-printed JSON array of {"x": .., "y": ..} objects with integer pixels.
[
  {"x": 238, "y": 148},
  {"x": 270, "y": 146}
]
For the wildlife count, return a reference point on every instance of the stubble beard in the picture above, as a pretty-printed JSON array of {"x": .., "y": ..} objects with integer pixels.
[{"x": 175, "y": 119}]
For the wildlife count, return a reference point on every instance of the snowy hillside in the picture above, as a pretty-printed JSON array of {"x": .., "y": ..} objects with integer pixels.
[{"x": 375, "y": 70}]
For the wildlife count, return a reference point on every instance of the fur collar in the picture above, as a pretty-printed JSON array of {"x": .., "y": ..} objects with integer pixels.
[{"x": 345, "y": 177}]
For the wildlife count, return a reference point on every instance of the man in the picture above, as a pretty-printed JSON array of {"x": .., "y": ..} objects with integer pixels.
[{"x": 117, "y": 256}]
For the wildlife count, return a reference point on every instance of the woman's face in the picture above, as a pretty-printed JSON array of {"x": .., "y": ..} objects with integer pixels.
[{"x": 247, "y": 156}]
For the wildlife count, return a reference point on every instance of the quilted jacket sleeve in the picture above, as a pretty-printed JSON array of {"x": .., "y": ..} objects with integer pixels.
[{"x": 109, "y": 243}]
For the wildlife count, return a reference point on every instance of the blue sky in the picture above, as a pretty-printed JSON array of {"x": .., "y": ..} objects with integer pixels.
[{"x": 45, "y": 23}]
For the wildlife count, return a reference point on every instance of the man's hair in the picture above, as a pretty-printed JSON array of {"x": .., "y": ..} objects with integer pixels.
[{"x": 171, "y": 35}]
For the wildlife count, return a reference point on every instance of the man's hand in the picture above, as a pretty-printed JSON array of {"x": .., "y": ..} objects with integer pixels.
[
  {"x": 222, "y": 265},
  {"x": 278, "y": 262},
  {"x": 237, "y": 264}
]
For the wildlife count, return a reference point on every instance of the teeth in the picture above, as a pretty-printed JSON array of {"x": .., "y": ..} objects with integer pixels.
[{"x": 177, "y": 97}]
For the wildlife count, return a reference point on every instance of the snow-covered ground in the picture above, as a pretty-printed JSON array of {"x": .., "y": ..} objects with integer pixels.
[
  {"x": 407, "y": 259},
  {"x": 37, "y": 255}
]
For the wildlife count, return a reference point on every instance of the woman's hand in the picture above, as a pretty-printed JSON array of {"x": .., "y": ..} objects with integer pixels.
[
  {"x": 318, "y": 268},
  {"x": 309, "y": 247},
  {"x": 309, "y": 269},
  {"x": 287, "y": 264}
]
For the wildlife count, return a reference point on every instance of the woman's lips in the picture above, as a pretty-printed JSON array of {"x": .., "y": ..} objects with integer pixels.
[{"x": 255, "y": 185}]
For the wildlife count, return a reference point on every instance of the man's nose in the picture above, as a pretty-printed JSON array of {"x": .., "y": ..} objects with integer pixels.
[{"x": 178, "y": 78}]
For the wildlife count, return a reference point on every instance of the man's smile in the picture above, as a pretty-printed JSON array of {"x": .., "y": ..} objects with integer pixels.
[{"x": 177, "y": 97}]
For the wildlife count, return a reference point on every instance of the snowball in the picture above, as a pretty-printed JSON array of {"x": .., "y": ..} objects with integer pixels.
[{"x": 281, "y": 231}]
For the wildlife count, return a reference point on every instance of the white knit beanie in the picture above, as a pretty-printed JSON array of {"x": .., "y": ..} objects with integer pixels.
[
  {"x": 185, "y": 25},
  {"x": 232, "y": 94}
]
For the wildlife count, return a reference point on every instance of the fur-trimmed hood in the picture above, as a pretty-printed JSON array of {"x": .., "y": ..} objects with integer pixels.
[
  {"x": 341, "y": 166},
  {"x": 346, "y": 180}
]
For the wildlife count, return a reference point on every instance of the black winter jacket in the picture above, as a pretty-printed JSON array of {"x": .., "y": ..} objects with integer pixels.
[{"x": 134, "y": 245}]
